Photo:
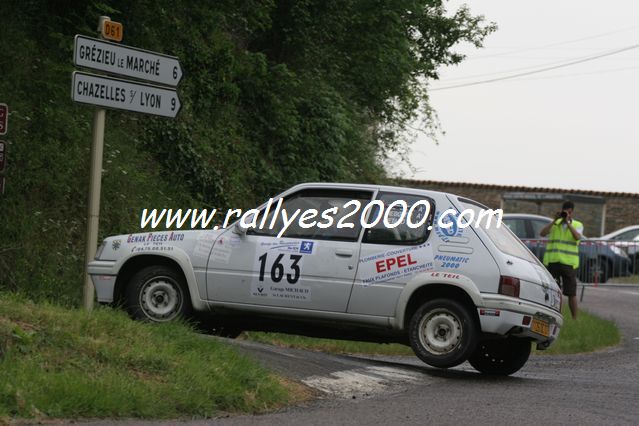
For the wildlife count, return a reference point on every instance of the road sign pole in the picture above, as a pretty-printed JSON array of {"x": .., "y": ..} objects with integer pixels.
[{"x": 95, "y": 184}]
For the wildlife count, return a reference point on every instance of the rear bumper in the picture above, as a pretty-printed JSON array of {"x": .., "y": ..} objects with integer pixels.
[
  {"x": 103, "y": 276},
  {"x": 506, "y": 316}
]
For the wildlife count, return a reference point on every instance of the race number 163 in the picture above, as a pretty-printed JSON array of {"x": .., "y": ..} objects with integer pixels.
[{"x": 277, "y": 269}]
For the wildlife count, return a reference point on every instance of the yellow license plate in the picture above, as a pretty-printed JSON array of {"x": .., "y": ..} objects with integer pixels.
[{"x": 541, "y": 327}]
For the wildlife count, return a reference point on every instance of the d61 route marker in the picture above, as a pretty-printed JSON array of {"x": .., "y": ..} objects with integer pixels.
[
  {"x": 4, "y": 118},
  {"x": 115, "y": 93},
  {"x": 128, "y": 61},
  {"x": 112, "y": 30}
]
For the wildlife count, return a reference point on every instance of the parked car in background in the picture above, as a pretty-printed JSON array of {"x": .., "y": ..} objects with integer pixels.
[
  {"x": 598, "y": 260},
  {"x": 626, "y": 239}
]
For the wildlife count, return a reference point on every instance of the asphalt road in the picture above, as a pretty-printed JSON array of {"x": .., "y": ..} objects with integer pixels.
[{"x": 589, "y": 389}]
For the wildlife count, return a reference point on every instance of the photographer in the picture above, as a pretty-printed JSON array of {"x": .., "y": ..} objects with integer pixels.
[{"x": 562, "y": 252}]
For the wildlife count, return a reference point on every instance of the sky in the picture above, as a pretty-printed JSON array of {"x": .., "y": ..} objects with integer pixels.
[{"x": 574, "y": 127}]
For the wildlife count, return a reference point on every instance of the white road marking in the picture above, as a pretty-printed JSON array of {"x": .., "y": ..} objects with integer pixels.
[
  {"x": 367, "y": 381},
  {"x": 628, "y": 292},
  {"x": 634, "y": 293}
]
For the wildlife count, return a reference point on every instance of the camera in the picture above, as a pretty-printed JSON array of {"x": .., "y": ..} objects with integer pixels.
[{"x": 564, "y": 214}]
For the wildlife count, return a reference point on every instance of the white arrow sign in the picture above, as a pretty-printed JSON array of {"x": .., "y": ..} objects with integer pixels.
[
  {"x": 126, "y": 60},
  {"x": 112, "y": 92}
]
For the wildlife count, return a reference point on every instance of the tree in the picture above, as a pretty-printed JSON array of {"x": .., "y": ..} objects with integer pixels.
[{"x": 275, "y": 92}]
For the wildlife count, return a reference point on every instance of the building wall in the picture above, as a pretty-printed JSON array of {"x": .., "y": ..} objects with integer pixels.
[{"x": 622, "y": 209}]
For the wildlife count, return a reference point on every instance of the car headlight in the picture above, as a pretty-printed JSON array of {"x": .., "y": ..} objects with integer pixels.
[{"x": 98, "y": 253}]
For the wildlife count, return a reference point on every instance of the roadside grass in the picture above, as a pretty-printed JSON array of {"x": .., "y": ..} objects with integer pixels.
[
  {"x": 586, "y": 334},
  {"x": 589, "y": 333},
  {"x": 632, "y": 279},
  {"x": 59, "y": 363},
  {"x": 328, "y": 345}
]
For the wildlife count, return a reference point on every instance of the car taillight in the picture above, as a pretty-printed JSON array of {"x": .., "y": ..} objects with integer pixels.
[{"x": 509, "y": 286}]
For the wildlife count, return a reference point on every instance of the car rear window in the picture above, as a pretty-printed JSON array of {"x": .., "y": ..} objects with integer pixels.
[{"x": 501, "y": 236}]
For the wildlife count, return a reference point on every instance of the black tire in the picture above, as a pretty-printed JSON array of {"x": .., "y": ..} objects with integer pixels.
[
  {"x": 158, "y": 294},
  {"x": 228, "y": 332},
  {"x": 500, "y": 357},
  {"x": 443, "y": 333},
  {"x": 217, "y": 328}
]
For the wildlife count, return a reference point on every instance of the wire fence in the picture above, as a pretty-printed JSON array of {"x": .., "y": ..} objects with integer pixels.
[{"x": 599, "y": 261}]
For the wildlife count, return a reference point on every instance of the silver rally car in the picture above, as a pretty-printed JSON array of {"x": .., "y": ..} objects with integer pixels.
[{"x": 360, "y": 262}]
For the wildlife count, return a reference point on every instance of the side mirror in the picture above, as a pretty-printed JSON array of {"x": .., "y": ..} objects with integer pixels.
[{"x": 238, "y": 229}]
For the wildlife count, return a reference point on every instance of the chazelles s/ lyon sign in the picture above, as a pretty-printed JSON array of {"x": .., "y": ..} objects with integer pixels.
[{"x": 114, "y": 93}]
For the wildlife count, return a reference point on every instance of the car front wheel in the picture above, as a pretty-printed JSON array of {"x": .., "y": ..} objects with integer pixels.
[
  {"x": 158, "y": 294},
  {"x": 443, "y": 333},
  {"x": 500, "y": 357}
]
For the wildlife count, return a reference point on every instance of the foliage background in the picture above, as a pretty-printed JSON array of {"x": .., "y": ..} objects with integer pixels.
[{"x": 274, "y": 93}]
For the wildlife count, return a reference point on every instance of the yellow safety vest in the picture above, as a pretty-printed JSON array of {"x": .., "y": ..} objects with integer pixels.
[{"x": 562, "y": 246}]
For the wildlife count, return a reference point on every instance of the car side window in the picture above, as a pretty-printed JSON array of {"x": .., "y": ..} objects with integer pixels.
[
  {"x": 627, "y": 236},
  {"x": 518, "y": 226},
  {"x": 418, "y": 210},
  {"x": 317, "y": 212},
  {"x": 537, "y": 226}
]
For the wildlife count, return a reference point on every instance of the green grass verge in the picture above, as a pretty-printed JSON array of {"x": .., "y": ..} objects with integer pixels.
[
  {"x": 328, "y": 345},
  {"x": 586, "y": 334},
  {"x": 632, "y": 279},
  {"x": 589, "y": 333},
  {"x": 72, "y": 364}
]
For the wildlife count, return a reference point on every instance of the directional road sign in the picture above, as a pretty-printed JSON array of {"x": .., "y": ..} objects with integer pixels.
[
  {"x": 4, "y": 118},
  {"x": 115, "y": 93},
  {"x": 128, "y": 61}
]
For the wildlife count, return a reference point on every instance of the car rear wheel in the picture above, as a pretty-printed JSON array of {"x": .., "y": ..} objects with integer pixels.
[
  {"x": 216, "y": 327},
  {"x": 158, "y": 294},
  {"x": 500, "y": 357},
  {"x": 443, "y": 333}
]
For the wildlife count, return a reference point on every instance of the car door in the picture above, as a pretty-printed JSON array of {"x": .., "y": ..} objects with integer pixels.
[
  {"x": 390, "y": 256},
  {"x": 308, "y": 267}
]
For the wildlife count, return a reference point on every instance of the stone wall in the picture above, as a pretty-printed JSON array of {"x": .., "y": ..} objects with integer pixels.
[{"x": 621, "y": 208}]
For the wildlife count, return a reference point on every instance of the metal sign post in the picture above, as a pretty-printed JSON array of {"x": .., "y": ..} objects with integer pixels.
[
  {"x": 3, "y": 164},
  {"x": 95, "y": 181},
  {"x": 159, "y": 98},
  {"x": 3, "y": 156}
]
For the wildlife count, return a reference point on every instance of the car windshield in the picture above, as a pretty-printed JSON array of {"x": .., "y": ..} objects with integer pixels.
[
  {"x": 627, "y": 236},
  {"x": 501, "y": 236}
]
